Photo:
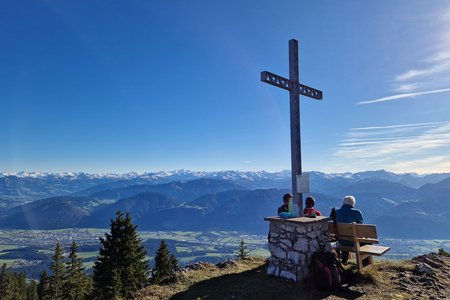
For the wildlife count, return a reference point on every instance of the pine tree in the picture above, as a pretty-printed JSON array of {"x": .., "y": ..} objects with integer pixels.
[
  {"x": 442, "y": 252},
  {"x": 21, "y": 286},
  {"x": 166, "y": 264},
  {"x": 3, "y": 279},
  {"x": 76, "y": 285},
  {"x": 7, "y": 286},
  {"x": 242, "y": 252},
  {"x": 43, "y": 286},
  {"x": 13, "y": 286},
  {"x": 121, "y": 267},
  {"x": 58, "y": 275},
  {"x": 32, "y": 291},
  {"x": 175, "y": 263}
]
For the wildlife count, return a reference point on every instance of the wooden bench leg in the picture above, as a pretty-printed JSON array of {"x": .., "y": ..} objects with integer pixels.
[
  {"x": 357, "y": 254},
  {"x": 366, "y": 260},
  {"x": 359, "y": 260}
]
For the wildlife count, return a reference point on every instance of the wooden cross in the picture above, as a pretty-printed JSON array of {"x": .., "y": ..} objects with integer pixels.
[{"x": 295, "y": 90}]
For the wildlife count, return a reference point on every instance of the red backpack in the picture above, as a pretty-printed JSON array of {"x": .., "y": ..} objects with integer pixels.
[{"x": 326, "y": 271}]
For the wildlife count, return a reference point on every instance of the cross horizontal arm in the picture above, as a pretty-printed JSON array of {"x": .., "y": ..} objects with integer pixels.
[
  {"x": 276, "y": 80},
  {"x": 309, "y": 92},
  {"x": 287, "y": 84}
]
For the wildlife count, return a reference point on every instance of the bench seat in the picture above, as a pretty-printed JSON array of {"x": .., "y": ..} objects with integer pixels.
[{"x": 363, "y": 237}]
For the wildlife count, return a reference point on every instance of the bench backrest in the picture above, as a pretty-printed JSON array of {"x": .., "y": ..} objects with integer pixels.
[{"x": 351, "y": 232}]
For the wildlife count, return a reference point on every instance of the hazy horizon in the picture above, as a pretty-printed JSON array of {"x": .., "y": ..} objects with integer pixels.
[{"x": 207, "y": 171}]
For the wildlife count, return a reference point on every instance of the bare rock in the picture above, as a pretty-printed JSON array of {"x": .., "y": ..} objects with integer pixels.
[{"x": 423, "y": 268}]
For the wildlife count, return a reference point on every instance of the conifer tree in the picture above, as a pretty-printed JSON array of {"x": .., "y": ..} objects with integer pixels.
[
  {"x": 121, "y": 267},
  {"x": 43, "y": 286},
  {"x": 175, "y": 263},
  {"x": 21, "y": 286},
  {"x": 442, "y": 252},
  {"x": 166, "y": 264},
  {"x": 3, "y": 279},
  {"x": 32, "y": 291},
  {"x": 7, "y": 285},
  {"x": 76, "y": 285},
  {"x": 12, "y": 285},
  {"x": 242, "y": 252},
  {"x": 58, "y": 275}
]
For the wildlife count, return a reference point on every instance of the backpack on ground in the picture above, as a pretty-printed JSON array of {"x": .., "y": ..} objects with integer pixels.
[{"x": 325, "y": 271}]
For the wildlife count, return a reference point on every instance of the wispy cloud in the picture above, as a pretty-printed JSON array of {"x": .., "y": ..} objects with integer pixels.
[
  {"x": 438, "y": 57},
  {"x": 407, "y": 87},
  {"x": 401, "y": 148},
  {"x": 439, "y": 66},
  {"x": 399, "y": 126},
  {"x": 440, "y": 164},
  {"x": 403, "y": 96},
  {"x": 429, "y": 75}
]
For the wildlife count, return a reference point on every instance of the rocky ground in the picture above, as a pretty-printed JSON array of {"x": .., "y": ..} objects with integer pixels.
[{"x": 423, "y": 277}]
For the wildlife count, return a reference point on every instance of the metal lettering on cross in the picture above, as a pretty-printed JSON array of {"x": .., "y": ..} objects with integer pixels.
[{"x": 295, "y": 90}]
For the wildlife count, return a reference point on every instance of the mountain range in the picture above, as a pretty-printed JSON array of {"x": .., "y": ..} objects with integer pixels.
[{"x": 402, "y": 205}]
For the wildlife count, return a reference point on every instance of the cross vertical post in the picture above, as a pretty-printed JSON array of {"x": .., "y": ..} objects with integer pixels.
[
  {"x": 295, "y": 89},
  {"x": 296, "y": 158}
]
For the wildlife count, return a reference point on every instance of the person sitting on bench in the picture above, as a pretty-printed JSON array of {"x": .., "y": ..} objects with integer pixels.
[{"x": 348, "y": 214}]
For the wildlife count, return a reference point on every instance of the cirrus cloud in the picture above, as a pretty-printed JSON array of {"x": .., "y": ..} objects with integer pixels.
[
  {"x": 403, "y": 96},
  {"x": 399, "y": 148}
]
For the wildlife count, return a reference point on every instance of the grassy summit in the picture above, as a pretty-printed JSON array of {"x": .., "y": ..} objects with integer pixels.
[{"x": 423, "y": 277}]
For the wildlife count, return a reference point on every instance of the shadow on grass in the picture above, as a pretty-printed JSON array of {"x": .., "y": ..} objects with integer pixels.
[{"x": 255, "y": 284}]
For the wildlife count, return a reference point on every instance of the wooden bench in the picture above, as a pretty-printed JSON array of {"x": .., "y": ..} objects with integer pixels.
[{"x": 365, "y": 234}]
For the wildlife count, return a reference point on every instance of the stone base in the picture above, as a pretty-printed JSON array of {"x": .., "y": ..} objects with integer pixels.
[{"x": 292, "y": 243}]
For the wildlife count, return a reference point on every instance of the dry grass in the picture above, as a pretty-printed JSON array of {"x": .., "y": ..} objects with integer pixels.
[
  {"x": 247, "y": 279},
  {"x": 375, "y": 274},
  {"x": 395, "y": 265},
  {"x": 202, "y": 283}
]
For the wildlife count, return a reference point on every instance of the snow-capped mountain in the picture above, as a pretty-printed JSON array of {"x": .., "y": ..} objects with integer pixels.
[
  {"x": 23, "y": 187},
  {"x": 228, "y": 200}
]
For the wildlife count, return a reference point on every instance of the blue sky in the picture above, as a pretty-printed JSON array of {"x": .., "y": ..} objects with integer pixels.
[{"x": 118, "y": 86}]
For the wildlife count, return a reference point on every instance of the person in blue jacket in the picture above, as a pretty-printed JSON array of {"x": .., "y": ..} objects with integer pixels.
[
  {"x": 348, "y": 214},
  {"x": 285, "y": 206}
]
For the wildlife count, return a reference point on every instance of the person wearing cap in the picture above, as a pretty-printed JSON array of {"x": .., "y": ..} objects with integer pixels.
[
  {"x": 309, "y": 210},
  {"x": 348, "y": 214},
  {"x": 285, "y": 206}
]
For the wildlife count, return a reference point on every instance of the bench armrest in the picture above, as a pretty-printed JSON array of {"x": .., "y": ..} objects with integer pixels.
[
  {"x": 368, "y": 240},
  {"x": 373, "y": 250}
]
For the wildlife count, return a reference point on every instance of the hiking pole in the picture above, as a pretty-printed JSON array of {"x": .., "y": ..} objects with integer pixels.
[{"x": 336, "y": 235}]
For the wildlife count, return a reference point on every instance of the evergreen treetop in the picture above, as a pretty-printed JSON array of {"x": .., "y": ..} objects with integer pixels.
[
  {"x": 166, "y": 264},
  {"x": 242, "y": 252},
  {"x": 43, "y": 285},
  {"x": 58, "y": 273},
  {"x": 121, "y": 267},
  {"x": 76, "y": 285}
]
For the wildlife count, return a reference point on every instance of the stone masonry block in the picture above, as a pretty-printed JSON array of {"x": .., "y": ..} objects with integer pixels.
[
  {"x": 294, "y": 257},
  {"x": 313, "y": 246},
  {"x": 288, "y": 275},
  {"x": 286, "y": 242},
  {"x": 277, "y": 251},
  {"x": 301, "y": 245}
]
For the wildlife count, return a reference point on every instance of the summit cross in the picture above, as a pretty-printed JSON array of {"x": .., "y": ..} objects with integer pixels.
[{"x": 295, "y": 90}]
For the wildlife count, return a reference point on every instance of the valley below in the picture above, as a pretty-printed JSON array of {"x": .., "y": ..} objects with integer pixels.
[
  {"x": 203, "y": 216},
  {"x": 30, "y": 251}
]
